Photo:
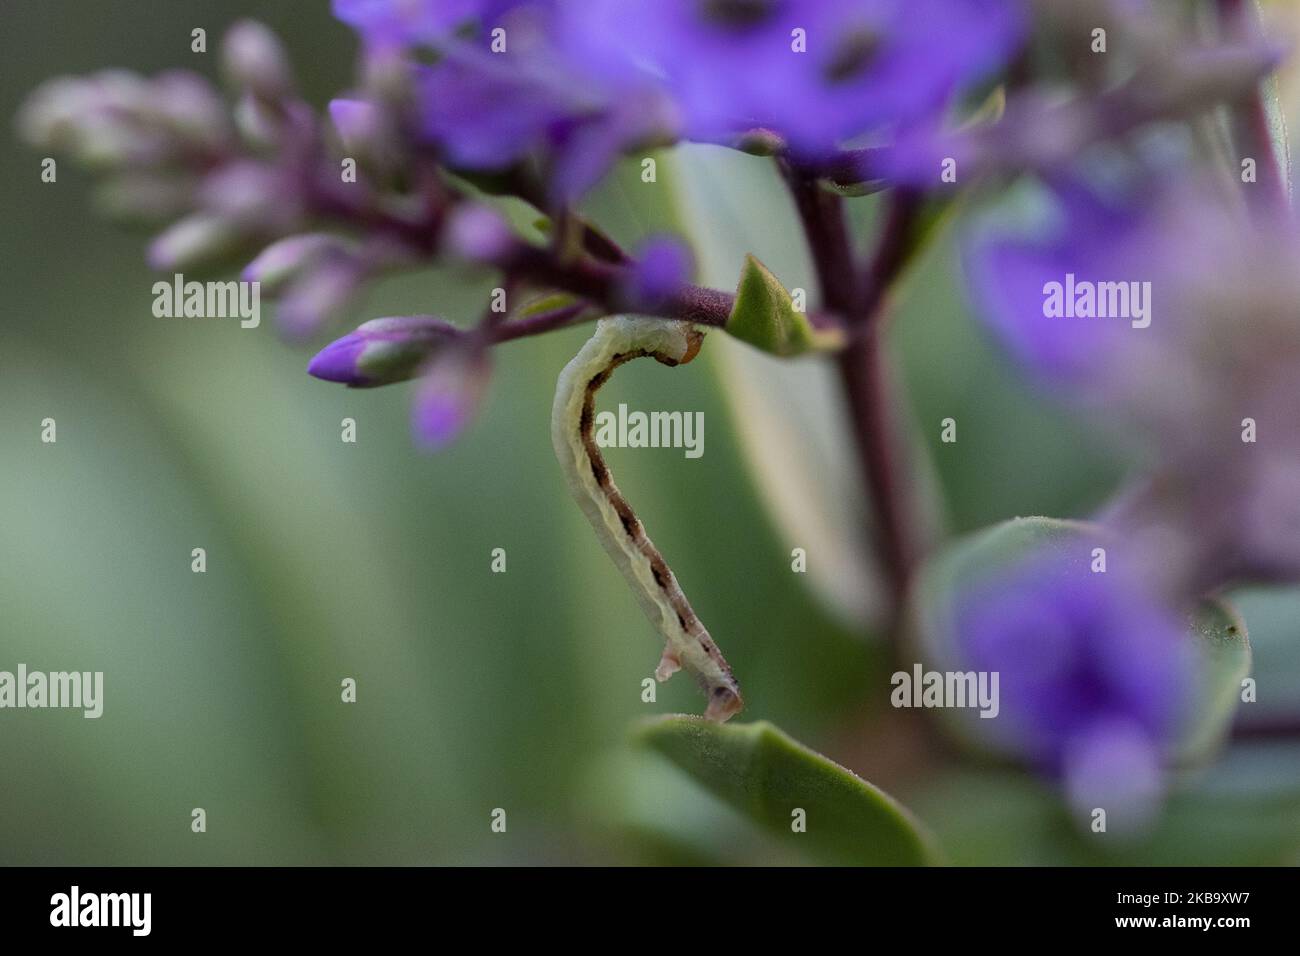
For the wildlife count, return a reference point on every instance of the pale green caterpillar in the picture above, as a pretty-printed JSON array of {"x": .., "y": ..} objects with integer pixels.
[{"x": 687, "y": 644}]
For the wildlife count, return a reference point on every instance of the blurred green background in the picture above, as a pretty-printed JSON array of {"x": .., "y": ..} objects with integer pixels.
[{"x": 476, "y": 690}]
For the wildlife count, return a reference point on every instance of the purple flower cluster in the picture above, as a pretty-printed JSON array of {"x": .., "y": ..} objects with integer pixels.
[
  {"x": 1175, "y": 328},
  {"x": 816, "y": 73},
  {"x": 1160, "y": 304},
  {"x": 579, "y": 82},
  {"x": 227, "y": 180}
]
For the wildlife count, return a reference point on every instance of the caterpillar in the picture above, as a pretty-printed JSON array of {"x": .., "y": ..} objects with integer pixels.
[{"x": 687, "y": 644}]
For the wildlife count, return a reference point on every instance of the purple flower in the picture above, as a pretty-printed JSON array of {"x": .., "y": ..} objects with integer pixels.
[
  {"x": 663, "y": 266},
  {"x": 1168, "y": 312},
  {"x": 383, "y": 351},
  {"x": 1094, "y": 674},
  {"x": 582, "y": 82},
  {"x": 1120, "y": 292},
  {"x": 423, "y": 21},
  {"x": 1082, "y": 238},
  {"x": 816, "y": 72},
  {"x": 488, "y": 110},
  {"x": 503, "y": 87}
]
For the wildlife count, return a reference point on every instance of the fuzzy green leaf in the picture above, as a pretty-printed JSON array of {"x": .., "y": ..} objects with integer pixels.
[
  {"x": 1223, "y": 656},
  {"x": 764, "y": 315},
  {"x": 767, "y": 775}
]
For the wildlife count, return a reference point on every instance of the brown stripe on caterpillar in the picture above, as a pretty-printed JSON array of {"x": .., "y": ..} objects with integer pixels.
[{"x": 687, "y": 619}]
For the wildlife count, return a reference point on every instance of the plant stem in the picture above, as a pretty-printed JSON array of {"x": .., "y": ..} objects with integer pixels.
[
  {"x": 827, "y": 233},
  {"x": 1281, "y": 727},
  {"x": 603, "y": 284},
  {"x": 544, "y": 322},
  {"x": 860, "y": 301},
  {"x": 863, "y": 374},
  {"x": 890, "y": 256}
]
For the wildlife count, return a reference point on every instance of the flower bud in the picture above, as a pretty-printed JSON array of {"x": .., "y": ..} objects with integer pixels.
[
  {"x": 51, "y": 114},
  {"x": 385, "y": 72},
  {"x": 193, "y": 241},
  {"x": 367, "y": 132},
  {"x": 145, "y": 197},
  {"x": 189, "y": 108},
  {"x": 103, "y": 143},
  {"x": 479, "y": 233},
  {"x": 448, "y": 397},
  {"x": 358, "y": 123},
  {"x": 254, "y": 195},
  {"x": 383, "y": 351},
  {"x": 258, "y": 124},
  {"x": 254, "y": 60},
  {"x": 317, "y": 296},
  {"x": 279, "y": 262}
]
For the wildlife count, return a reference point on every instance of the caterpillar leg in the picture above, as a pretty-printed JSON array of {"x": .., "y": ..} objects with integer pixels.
[
  {"x": 668, "y": 664},
  {"x": 687, "y": 644}
]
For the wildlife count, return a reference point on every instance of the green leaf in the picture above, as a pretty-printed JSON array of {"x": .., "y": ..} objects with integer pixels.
[
  {"x": 1240, "y": 811},
  {"x": 995, "y": 548},
  {"x": 764, "y": 316},
  {"x": 1276, "y": 116},
  {"x": 767, "y": 775},
  {"x": 546, "y": 302},
  {"x": 867, "y": 187},
  {"x": 1223, "y": 658},
  {"x": 1271, "y": 95}
]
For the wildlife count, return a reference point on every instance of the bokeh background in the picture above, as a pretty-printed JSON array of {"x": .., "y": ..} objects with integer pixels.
[{"x": 371, "y": 560}]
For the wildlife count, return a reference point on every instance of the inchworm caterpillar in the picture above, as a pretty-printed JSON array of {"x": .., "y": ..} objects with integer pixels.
[{"x": 687, "y": 644}]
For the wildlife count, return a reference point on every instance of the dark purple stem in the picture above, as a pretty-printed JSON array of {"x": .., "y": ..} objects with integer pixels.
[
  {"x": 862, "y": 372},
  {"x": 543, "y": 322},
  {"x": 851, "y": 167},
  {"x": 822, "y": 215},
  {"x": 890, "y": 256},
  {"x": 860, "y": 301},
  {"x": 1281, "y": 727},
  {"x": 605, "y": 285}
]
